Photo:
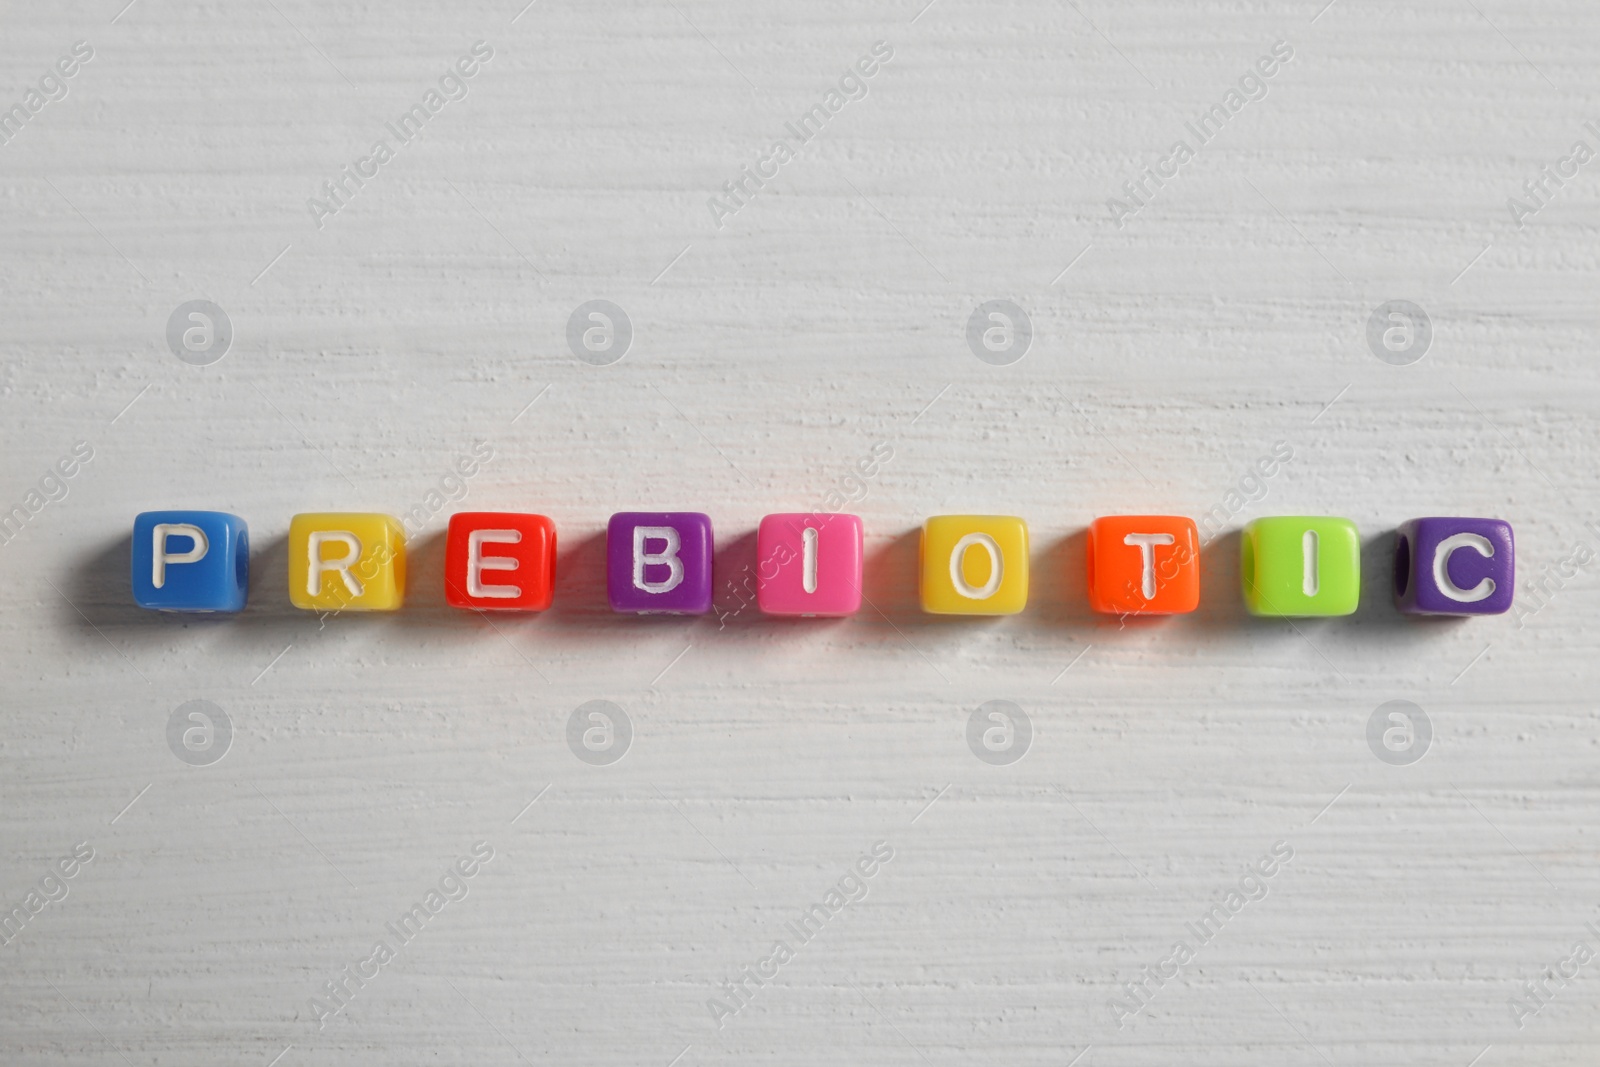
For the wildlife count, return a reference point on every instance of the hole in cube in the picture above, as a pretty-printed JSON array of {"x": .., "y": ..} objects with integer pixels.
[
  {"x": 241, "y": 561},
  {"x": 1402, "y": 565}
]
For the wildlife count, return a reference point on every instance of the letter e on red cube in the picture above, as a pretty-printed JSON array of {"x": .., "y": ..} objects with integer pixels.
[{"x": 500, "y": 561}]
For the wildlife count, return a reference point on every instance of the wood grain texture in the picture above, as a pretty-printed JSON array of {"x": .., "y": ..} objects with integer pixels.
[{"x": 769, "y": 355}]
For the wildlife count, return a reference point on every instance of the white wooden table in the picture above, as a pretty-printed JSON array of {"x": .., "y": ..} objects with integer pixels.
[{"x": 774, "y": 343}]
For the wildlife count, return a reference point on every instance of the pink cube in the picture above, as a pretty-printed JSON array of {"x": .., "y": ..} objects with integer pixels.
[{"x": 809, "y": 564}]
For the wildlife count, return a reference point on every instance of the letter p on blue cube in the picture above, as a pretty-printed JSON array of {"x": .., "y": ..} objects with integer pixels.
[{"x": 190, "y": 561}]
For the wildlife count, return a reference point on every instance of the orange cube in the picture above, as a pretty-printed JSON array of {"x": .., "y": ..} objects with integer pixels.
[{"x": 1144, "y": 565}]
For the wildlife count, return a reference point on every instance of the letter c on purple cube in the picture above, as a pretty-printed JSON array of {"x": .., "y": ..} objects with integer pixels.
[
  {"x": 1454, "y": 566},
  {"x": 659, "y": 562}
]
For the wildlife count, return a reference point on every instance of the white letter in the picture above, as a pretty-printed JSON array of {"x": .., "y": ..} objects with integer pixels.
[
  {"x": 1401, "y": 332},
  {"x": 667, "y": 556},
  {"x": 1147, "y": 554},
  {"x": 1003, "y": 735},
  {"x": 808, "y": 559},
  {"x": 720, "y": 1012},
  {"x": 197, "y": 552},
  {"x": 198, "y": 337},
  {"x": 322, "y": 1012},
  {"x": 199, "y": 737},
  {"x": 1441, "y": 572},
  {"x": 599, "y": 737},
  {"x": 1001, "y": 333},
  {"x": 1309, "y": 574},
  {"x": 476, "y": 564},
  {"x": 996, "y": 566},
  {"x": 1121, "y": 1011},
  {"x": 719, "y": 210},
  {"x": 320, "y": 210},
  {"x": 352, "y": 545},
  {"x": 598, "y": 337},
  {"x": 1401, "y": 734}
]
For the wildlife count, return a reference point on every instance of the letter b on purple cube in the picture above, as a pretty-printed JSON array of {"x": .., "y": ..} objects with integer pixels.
[
  {"x": 1454, "y": 566},
  {"x": 659, "y": 562}
]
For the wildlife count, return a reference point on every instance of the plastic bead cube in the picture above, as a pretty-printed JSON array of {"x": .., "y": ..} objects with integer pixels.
[
  {"x": 659, "y": 562},
  {"x": 1454, "y": 566},
  {"x": 1144, "y": 565},
  {"x": 1300, "y": 566},
  {"x": 346, "y": 561},
  {"x": 809, "y": 564},
  {"x": 974, "y": 565},
  {"x": 500, "y": 561},
  {"x": 190, "y": 561}
]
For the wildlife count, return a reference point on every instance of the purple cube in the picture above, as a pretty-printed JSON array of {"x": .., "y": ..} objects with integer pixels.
[
  {"x": 1445, "y": 566},
  {"x": 659, "y": 562}
]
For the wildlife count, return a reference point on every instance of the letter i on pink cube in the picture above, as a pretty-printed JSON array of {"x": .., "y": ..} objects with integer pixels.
[{"x": 808, "y": 564}]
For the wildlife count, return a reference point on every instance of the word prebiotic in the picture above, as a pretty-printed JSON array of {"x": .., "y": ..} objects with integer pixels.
[{"x": 810, "y": 564}]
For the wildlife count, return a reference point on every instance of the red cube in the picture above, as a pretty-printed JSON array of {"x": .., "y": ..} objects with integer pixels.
[{"x": 500, "y": 561}]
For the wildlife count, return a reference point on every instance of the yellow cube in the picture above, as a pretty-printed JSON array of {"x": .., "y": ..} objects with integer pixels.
[
  {"x": 974, "y": 565},
  {"x": 344, "y": 561}
]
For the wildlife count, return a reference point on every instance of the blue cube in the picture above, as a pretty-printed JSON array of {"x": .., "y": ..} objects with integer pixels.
[{"x": 190, "y": 561}]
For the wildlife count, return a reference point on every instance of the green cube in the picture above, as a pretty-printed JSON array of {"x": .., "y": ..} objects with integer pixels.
[{"x": 1300, "y": 565}]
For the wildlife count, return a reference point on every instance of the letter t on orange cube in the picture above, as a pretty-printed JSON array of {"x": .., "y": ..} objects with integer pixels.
[
  {"x": 500, "y": 561},
  {"x": 1144, "y": 565}
]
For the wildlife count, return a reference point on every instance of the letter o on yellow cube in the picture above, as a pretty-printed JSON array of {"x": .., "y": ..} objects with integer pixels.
[
  {"x": 347, "y": 561},
  {"x": 974, "y": 565}
]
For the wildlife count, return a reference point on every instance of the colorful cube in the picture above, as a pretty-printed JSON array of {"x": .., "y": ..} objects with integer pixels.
[
  {"x": 190, "y": 561},
  {"x": 809, "y": 564},
  {"x": 1144, "y": 565},
  {"x": 500, "y": 561},
  {"x": 1300, "y": 566},
  {"x": 347, "y": 561},
  {"x": 1454, "y": 566},
  {"x": 659, "y": 562},
  {"x": 974, "y": 565}
]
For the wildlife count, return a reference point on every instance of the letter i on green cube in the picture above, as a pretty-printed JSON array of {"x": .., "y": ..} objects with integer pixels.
[{"x": 1295, "y": 566}]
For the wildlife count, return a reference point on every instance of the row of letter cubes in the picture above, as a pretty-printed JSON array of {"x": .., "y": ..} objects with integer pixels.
[{"x": 811, "y": 565}]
